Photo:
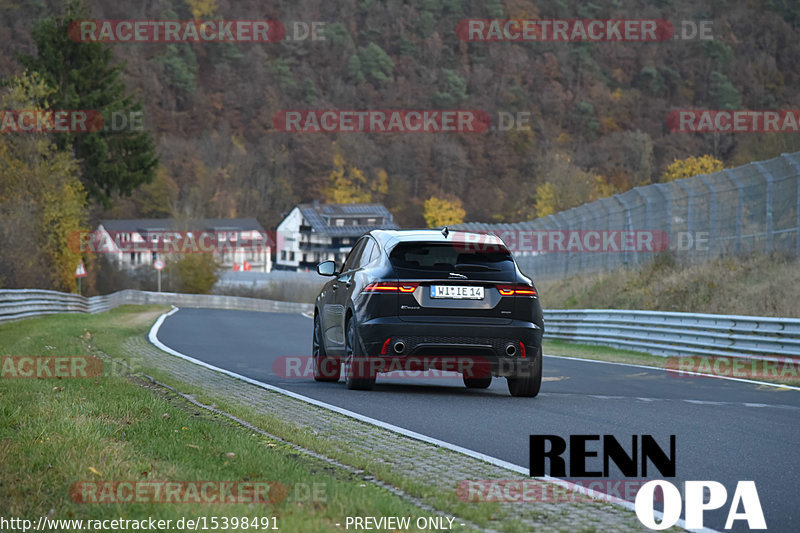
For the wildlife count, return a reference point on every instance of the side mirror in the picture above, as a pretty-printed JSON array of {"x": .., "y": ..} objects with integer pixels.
[{"x": 327, "y": 268}]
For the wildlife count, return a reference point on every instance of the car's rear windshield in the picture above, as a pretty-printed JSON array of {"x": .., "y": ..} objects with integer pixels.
[{"x": 453, "y": 257}]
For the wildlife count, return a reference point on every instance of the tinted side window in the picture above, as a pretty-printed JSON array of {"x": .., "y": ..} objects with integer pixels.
[
  {"x": 376, "y": 251},
  {"x": 369, "y": 253},
  {"x": 352, "y": 258}
]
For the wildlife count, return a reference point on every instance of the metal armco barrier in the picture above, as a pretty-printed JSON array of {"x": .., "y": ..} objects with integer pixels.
[
  {"x": 678, "y": 334},
  {"x": 655, "y": 332},
  {"x": 25, "y": 303}
]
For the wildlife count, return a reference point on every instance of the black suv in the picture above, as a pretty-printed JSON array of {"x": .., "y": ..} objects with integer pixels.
[{"x": 429, "y": 299}]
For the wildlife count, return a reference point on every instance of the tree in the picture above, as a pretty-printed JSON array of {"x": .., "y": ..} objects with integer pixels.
[
  {"x": 568, "y": 186},
  {"x": 83, "y": 78},
  {"x": 723, "y": 93},
  {"x": 455, "y": 93},
  {"x": 42, "y": 201},
  {"x": 202, "y": 9},
  {"x": 546, "y": 201},
  {"x": 348, "y": 185},
  {"x": 691, "y": 166},
  {"x": 443, "y": 211},
  {"x": 376, "y": 63},
  {"x": 196, "y": 272}
]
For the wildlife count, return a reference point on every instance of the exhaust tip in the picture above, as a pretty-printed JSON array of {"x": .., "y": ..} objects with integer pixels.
[
  {"x": 399, "y": 347},
  {"x": 511, "y": 349}
]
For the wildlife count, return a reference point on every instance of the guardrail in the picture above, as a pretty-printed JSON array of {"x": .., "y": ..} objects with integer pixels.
[
  {"x": 26, "y": 303},
  {"x": 655, "y": 332},
  {"x": 678, "y": 334}
]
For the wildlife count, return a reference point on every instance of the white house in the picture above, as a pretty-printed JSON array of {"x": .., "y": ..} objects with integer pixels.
[
  {"x": 312, "y": 233},
  {"x": 237, "y": 243}
]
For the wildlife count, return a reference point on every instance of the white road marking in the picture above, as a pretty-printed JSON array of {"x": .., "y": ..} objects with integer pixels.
[{"x": 152, "y": 336}]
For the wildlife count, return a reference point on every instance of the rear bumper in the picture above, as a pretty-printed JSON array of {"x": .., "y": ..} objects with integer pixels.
[{"x": 477, "y": 349}]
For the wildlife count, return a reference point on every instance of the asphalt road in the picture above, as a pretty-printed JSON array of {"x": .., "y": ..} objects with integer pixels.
[{"x": 725, "y": 430}]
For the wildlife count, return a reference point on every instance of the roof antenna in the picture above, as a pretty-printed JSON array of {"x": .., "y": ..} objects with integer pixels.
[{"x": 445, "y": 232}]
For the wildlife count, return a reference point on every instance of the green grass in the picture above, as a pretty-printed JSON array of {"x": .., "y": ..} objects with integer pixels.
[
  {"x": 758, "y": 285},
  {"x": 56, "y": 432}
]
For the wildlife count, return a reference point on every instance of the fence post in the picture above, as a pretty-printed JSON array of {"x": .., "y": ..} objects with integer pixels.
[
  {"x": 712, "y": 215},
  {"x": 770, "y": 179},
  {"x": 689, "y": 212},
  {"x": 739, "y": 206},
  {"x": 664, "y": 190},
  {"x": 795, "y": 166},
  {"x": 628, "y": 223}
]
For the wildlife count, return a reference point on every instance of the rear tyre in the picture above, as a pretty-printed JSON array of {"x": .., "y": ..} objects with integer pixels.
[
  {"x": 325, "y": 368},
  {"x": 478, "y": 383},
  {"x": 360, "y": 375},
  {"x": 527, "y": 385}
]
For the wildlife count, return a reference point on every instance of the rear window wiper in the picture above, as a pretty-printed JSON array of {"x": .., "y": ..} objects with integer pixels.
[{"x": 475, "y": 266}]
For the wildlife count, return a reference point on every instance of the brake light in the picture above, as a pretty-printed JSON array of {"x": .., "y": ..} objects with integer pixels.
[
  {"x": 522, "y": 350},
  {"x": 516, "y": 290},
  {"x": 391, "y": 286}
]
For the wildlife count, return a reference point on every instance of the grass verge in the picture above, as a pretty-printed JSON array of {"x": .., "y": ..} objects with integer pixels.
[{"x": 63, "y": 432}]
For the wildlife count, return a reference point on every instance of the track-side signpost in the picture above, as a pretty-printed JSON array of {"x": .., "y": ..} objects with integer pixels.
[
  {"x": 80, "y": 272},
  {"x": 158, "y": 264}
]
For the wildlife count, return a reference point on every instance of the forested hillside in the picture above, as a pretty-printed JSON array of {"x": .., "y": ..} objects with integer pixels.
[{"x": 597, "y": 110}]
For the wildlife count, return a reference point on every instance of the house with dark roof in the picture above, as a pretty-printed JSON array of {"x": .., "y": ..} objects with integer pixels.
[
  {"x": 237, "y": 243},
  {"x": 312, "y": 233}
]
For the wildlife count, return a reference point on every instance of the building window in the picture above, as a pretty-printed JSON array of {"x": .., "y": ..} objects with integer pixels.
[
  {"x": 291, "y": 256},
  {"x": 371, "y": 221},
  {"x": 340, "y": 222},
  {"x": 283, "y": 255}
]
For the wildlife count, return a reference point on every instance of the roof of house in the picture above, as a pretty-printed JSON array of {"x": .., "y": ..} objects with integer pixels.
[
  {"x": 316, "y": 215},
  {"x": 171, "y": 224}
]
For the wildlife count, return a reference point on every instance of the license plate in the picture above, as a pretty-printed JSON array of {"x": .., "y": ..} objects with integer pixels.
[{"x": 457, "y": 292}]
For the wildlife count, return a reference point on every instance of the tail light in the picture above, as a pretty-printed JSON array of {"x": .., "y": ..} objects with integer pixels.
[
  {"x": 516, "y": 290},
  {"x": 391, "y": 286}
]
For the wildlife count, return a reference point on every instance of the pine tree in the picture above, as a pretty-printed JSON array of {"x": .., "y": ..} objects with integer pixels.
[{"x": 83, "y": 77}]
